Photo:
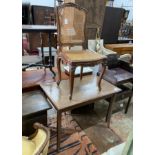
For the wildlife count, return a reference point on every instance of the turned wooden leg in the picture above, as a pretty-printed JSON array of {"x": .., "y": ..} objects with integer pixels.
[
  {"x": 58, "y": 130},
  {"x": 71, "y": 80},
  {"x": 59, "y": 70},
  {"x": 81, "y": 72},
  {"x": 101, "y": 76}
]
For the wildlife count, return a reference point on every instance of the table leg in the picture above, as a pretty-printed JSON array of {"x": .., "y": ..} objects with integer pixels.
[
  {"x": 101, "y": 76},
  {"x": 81, "y": 72},
  {"x": 42, "y": 52},
  {"x": 58, "y": 130},
  {"x": 50, "y": 55},
  {"x": 59, "y": 69},
  {"x": 127, "y": 106},
  {"x": 109, "y": 112},
  {"x": 71, "y": 80}
]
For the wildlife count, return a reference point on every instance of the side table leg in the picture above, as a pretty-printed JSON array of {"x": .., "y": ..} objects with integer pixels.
[
  {"x": 71, "y": 80},
  {"x": 58, "y": 130},
  {"x": 101, "y": 76},
  {"x": 59, "y": 70},
  {"x": 127, "y": 106},
  {"x": 109, "y": 112}
]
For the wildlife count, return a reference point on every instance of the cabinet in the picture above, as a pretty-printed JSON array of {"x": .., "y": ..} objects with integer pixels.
[
  {"x": 111, "y": 24},
  {"x": 41, "y": 15}
]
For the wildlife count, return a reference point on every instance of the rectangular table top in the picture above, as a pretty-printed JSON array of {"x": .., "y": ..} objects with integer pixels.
[
  {"x": 39, "y": 28},
  {"x": 34, "y": 102},
  {"x": 85, "y": 91}
]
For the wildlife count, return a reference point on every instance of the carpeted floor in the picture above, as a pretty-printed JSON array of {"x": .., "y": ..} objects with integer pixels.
[
  {"x": 94, "y": 140},
  {"x": 74, "y": 141}
]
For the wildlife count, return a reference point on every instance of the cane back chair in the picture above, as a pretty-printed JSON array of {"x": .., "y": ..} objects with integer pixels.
[{"x": 71, "y": 23}]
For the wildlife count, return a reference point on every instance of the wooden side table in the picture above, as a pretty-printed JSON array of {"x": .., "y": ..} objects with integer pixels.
[
  {"x": 120, "y": 48},
  {"x": 34, "y": 109},
  {"x": 119, "y": 77}
]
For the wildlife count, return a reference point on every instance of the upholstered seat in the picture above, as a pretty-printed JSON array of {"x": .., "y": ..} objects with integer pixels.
[{"x": 38, "y": 143}]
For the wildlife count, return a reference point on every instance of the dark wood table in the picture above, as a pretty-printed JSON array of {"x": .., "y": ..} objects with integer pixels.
[
  {"x": 85, "y": 92},
  {"x": 34, "y": 109},
  {"x": 42, "y": 28},
  {"x": 118, "y": 77}
]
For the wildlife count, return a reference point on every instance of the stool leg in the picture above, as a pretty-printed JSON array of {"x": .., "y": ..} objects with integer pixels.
[
  {"x": 71, "y": 80},
  {"x": 101, "y": 76},
  {"x": 59, "y": 70},
  {"x": 81, "y": 72}
]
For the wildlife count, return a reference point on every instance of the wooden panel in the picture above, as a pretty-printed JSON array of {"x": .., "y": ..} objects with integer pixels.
[
  {"x": 43, "y": 15},
  {"x": 27, "y": 123},
  {"x": 111, "y": 24}
]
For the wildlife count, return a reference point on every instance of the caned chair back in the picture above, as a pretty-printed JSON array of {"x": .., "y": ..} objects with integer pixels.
[{"x": 71, "y": 23}]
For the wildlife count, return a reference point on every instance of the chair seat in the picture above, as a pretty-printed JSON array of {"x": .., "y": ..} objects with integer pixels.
[
  {"x": 82, "y": 56},
  {"x": 28, "y": 147}
]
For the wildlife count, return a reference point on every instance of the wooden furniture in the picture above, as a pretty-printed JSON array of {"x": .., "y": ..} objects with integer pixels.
[
  {"x": 38, "y": 142},
  {"x": 43, "y": 15},
  {"x": 34, "y": 108},
  {"x": 119, "y": 77},
  {"x": 86, "y": 92},
  {"x": 42, "y": 28},
  {"x": 120, "y": 48},
  {"x": 95, "y": 15},
  {"x": 33, "y": 78},
  {"x": 71, "y": 21},
  {"x": 113, "y": 17}
]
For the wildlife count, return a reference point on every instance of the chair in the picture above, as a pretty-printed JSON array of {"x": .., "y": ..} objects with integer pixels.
[
  {"x": 37, "y": 143},
  {"x": 71, "y": 22},
  {"x": 119, "y": 73}
]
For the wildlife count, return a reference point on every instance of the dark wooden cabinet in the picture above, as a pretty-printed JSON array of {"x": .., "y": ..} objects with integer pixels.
[
  {"x": 111, "y": 24},
  {"x": 43, "y": 15}
]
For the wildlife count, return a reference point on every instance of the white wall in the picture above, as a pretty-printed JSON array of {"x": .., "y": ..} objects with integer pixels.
[
  {"x": 40, "y": 2},
  {"x": 126, "y": 4}
]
